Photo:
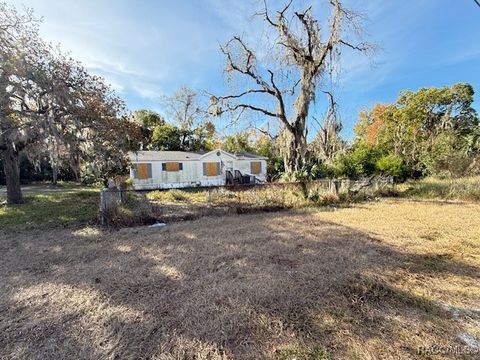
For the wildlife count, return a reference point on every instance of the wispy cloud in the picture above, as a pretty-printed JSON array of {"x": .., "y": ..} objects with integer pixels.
[{"x": 146, "y": 49}]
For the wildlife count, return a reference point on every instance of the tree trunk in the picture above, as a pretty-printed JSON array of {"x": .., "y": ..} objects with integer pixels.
[
  {"x": 54, "y": 174},
  {"x": 294, "y": 157},
  {"x": 11, "y": 166}
]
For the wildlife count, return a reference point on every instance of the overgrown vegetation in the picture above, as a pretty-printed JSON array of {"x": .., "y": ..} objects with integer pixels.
[
  {"x": 186, "y": 204},
  {"x": 466, "y": 189},
  {"x": 433, "y": 131}
]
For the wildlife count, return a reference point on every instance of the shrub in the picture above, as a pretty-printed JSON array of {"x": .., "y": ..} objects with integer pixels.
[
  {"x": 391, "y": 165},
  {"x": 295, "y": 176},
  {"x": 329, "y": 198},
  {"x": 126, "y": 184},
  {"x": 359, "y": 161}
]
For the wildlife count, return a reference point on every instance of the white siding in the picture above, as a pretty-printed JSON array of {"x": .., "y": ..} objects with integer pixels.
[{"x": 192, "y": 173}]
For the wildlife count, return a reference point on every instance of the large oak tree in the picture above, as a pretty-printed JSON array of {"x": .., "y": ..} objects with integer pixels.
[{"x": 50, "y": 103}]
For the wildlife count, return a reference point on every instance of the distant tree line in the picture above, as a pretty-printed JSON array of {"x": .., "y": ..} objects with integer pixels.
[{"x": 433, "y": 131}]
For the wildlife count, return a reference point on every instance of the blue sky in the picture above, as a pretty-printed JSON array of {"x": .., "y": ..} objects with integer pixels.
[{"x": 148, "y": 49}]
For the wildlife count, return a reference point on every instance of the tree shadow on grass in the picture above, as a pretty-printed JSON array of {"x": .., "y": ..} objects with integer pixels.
[{"x": 241, "y": 286}]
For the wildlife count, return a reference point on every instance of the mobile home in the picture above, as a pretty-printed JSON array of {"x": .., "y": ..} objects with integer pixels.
[{"x": 179, "y": 169}]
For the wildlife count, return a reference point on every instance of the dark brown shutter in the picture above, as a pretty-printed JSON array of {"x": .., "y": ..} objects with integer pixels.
[
  {"x": 256, "y": 167},
  {"x": 142, "y": 171},
  {"x": 172, "y": 166},
  {"x": 211, "y": 169}
]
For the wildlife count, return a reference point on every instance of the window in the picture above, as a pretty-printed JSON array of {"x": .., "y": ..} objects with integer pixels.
[
  {"x": 211, "y": 169},
  {"x": 172, "y": 166},
  {"x": 256, "y": 167},
  {"x": 142, "y": 171}
]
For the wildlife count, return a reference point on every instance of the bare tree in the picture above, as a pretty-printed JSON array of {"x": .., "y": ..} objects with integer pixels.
[
  {"x": 184, "y": 107},
  {"x": 327, "y": 143},
  {"x": 308, "y": 55}
]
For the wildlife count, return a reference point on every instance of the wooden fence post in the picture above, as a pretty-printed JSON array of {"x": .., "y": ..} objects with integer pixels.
[
  {"x": 110, "y": 198},
  {"x": 334, "y": 184}
]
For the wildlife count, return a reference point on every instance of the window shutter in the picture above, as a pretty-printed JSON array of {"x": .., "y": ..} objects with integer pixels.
[
  {"x": 212, "y": 169},
  {"x": 164, "y": 167},
  {"x": 180, "y": 166},
  {"x": 135, "y": 171},
  {"x": 149, "y": 171},
  {"x": 172, "y": 166},
  {"x": 142, "y": 171},
  {"x": 256, "y": 167}
]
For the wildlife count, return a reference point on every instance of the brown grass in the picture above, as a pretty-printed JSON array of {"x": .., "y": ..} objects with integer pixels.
[{"x": 375, "y": 281}]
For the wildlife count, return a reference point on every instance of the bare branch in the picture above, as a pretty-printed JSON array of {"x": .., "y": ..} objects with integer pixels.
[
  {"x": 285, "y": 8},
  {"x": 265, "y": 14},
  {"x": 264, "y": 132},
  {"x": 359, "y": 47},
  {"x": 252, "y": 91},
  {"x": 251, "y": 107}
]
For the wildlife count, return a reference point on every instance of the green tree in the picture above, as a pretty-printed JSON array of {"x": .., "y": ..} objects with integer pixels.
[
  {"x": 390, "y": 165},
  {"x": 357, "y": 162},
  {"x": 147, "y": 120},
  {"x": 50, "y": 105},
  {"x": 173, "y": 138},
  {"x": 266, "y": 146},
  {"x": 428, "y": 129},
  {"x": 237, "y": 143}
]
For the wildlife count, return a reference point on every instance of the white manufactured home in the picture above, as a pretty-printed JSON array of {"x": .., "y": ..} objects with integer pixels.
[{"x": 179, "y": 169}]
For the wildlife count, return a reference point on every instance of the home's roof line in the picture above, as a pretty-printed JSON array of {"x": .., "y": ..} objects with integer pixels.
[
  {"x": 218, "y": 150},
  {"x": 237, "y": 156},
  {"x": 187, "y": 155}
]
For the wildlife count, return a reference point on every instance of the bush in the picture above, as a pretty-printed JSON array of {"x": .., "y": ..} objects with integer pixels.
[
  {"x": 127, "y": 184},
  {"x": 295, "y": 176},
  {"x": 391, "y": 165},
  {"x": 446, "y": 157},
  {"x": 358, "y": 162},
  {"x": 87, "y": 177}
]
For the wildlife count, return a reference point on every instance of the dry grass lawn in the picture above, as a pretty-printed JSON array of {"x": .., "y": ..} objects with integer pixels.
[{"x": 374, "y": 281}]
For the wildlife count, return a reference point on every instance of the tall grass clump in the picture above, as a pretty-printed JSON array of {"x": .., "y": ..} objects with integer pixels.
[
  {"x": 465, "y": 188},
  {"x": 176, "y": 195}
]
